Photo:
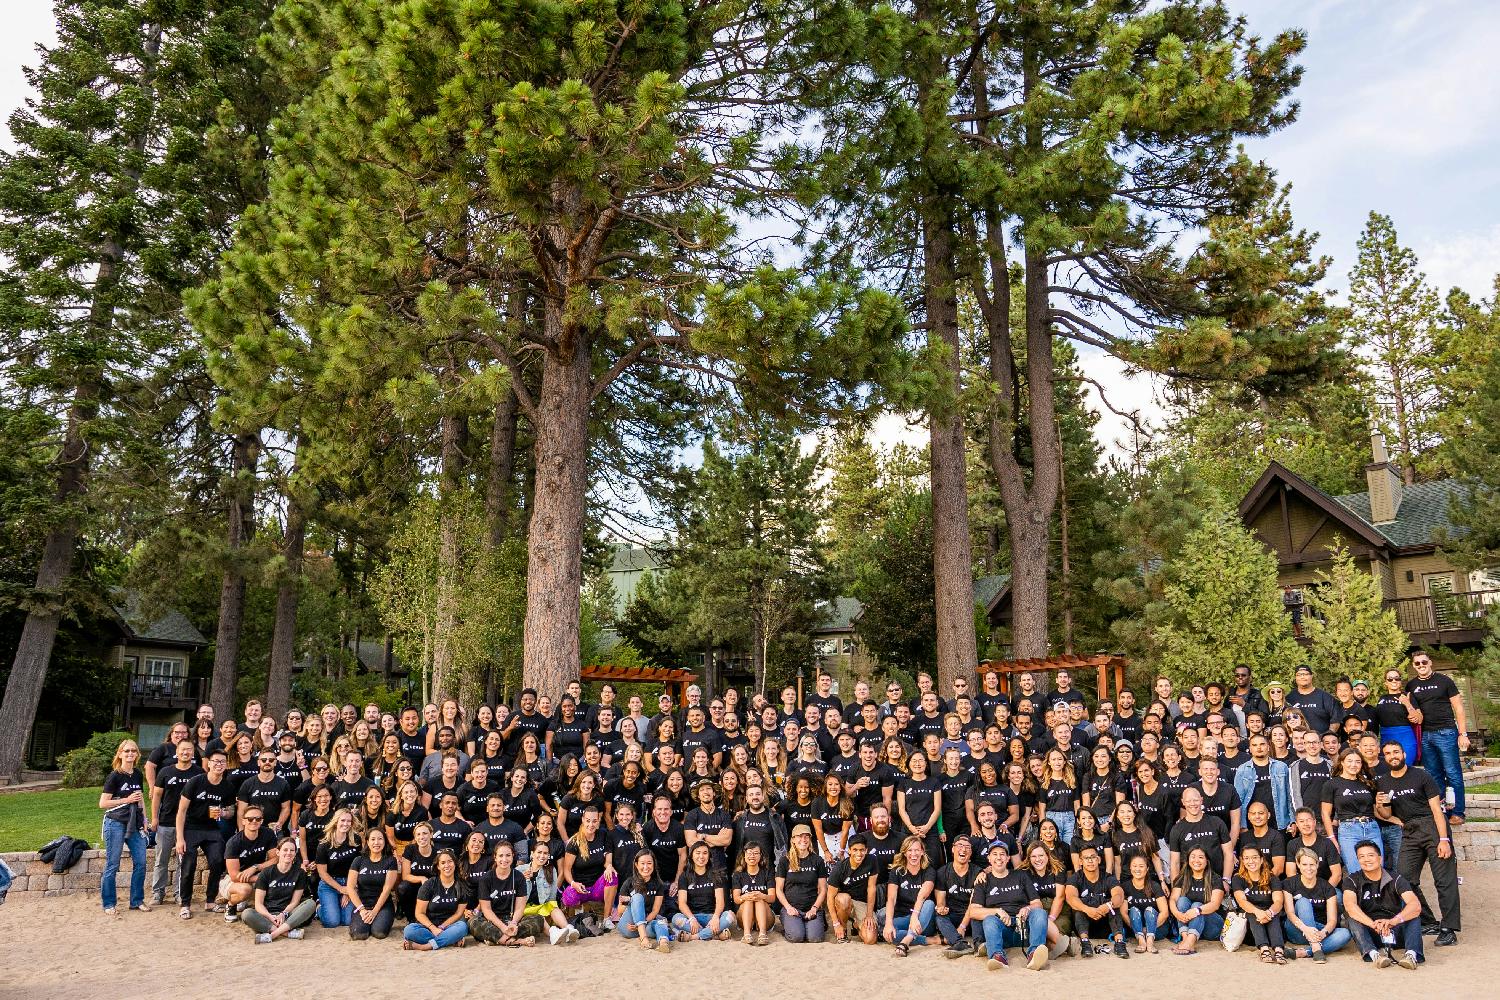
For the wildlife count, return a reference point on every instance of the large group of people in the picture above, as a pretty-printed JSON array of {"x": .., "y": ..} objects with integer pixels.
[{"x": 1297, "y": 819}]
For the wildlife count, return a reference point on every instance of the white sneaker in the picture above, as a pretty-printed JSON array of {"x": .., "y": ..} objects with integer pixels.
[
  {"x": 262, "y": 939},
  {"x": 296, "y": 933},
  {"x": 231, "y": 915},
  {"x": 609, "y": 924},
  {"x": 555, "y": 934},
  {"x": 570, "y": 934}
]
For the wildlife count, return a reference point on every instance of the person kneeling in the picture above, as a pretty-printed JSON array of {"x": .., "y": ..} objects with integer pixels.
[{"x": 1384, "y": 912}]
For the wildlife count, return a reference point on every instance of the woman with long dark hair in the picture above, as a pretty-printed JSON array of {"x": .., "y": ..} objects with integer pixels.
[
  {"x": 1349, "y": 808},
  {"x": 753, "y": 891},
  {"x": 646, "y": 903},
  {"x": 501, "y": 895},
  {"x": 1259, "y": 898},
  {"x": 833, "y": 819},
  {"x": 702, "y": 898},
  {"x": 371, "y": 889},
  {"x": 1197, "y": 903},
  {"x": 1145, "y": 901},
  {"x": 440, "y": 918}
]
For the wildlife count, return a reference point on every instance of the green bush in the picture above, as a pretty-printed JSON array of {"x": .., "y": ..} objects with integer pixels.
[{"x": 87, "y": 766}]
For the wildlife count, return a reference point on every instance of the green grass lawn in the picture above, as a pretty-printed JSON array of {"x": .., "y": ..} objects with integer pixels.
[
  {"x": 1489, "y": 788},
  {"x": 30, "y": 819}
]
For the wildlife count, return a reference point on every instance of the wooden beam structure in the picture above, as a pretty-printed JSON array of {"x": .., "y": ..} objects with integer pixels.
[{"x": 1107, "y": 668}]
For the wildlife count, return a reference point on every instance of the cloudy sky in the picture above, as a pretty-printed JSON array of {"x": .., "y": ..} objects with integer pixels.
[{"x": 1400, "y": 113}]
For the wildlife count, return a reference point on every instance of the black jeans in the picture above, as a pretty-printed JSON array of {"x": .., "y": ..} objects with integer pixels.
[
  {"x": 406, "y": 900},
  {"x": 212, "y": 845},
  {"x": 377, "y": 928},
  {"x": 1098, "y": 928},
  {"x": 1266, "y": 935},
  {"x": 1419, "y": 844}
]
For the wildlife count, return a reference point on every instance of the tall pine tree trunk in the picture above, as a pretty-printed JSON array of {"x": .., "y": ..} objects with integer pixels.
[
  {"x": 232, "y": 590},
  {"x": 952, "y": 556},
  {"x": 28, "y": 671},
  {"x": 554, "y": 542},
  {"x": 445, "y": 680},
  {"x": 498, "y": 494},
  {"x": 284, "y": 632}
]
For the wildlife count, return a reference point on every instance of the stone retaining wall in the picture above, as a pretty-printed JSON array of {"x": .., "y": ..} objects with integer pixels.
[{"x": 35, "y": 876}]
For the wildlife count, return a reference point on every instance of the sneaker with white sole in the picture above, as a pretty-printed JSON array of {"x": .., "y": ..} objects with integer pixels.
[
  {"x": 1383, "y": 960},
  {"x": 554, "y": 934},
  {"x": 570, "y": 934},
  {"x": 1038, "y": 960},
  {"x": 1075, "y": 946},
  {"x": 262, "y": 939},
  {"x": 296, "y": 933},
  {"x": 231, "y": 916},
  {"x": 1407, "y": 960}
]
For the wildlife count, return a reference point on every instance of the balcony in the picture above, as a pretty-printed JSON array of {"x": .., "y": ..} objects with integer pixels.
[
  {"x": 1445, "y": 619},
  {"x": 165, "y": 691}
]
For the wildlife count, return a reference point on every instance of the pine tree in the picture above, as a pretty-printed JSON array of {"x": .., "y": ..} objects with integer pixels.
[
  {"x": 1351, "y": 633},
  {"x": 749, "y": 552},
  {"x": 1223, "y": 606},
  {"x": 1055, "y": 139},
  {"x": 1470, "y": 420},
  {"x": 89, "y": 279},
  {"x": 451, "y": 152},
  {"x": 1393, "y": 312}
]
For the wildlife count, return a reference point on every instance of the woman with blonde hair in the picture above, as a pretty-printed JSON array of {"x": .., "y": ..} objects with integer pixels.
[
  {"x": 909, "y": 907},
  {"x": 773, "y": 763},
  {"x": 801, "y": 889},
  {"x": 341, "y": 845},
  {"x": 315, "y": 739},
  {"x": 403, "y": 816},
  {"x": 122, "y": 800},
  {"x": 1060, "y": 796}
]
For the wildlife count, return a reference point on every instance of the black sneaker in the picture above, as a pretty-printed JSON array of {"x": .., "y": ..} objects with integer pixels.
[
  {"x": 1430, "y": 928},
  {"x": 1086, "y": 948},
  {"x": 1120, "y": 950},
  {"x": 1447, "y": 937}
]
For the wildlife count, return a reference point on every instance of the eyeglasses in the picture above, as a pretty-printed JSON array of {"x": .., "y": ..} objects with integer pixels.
[
  {"x": 252, "y": 819},
  {"x": 321, "y": 767}
]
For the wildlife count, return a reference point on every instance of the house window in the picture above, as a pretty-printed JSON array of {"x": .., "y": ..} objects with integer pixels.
[
  {"x": 846, "y": 646},
  {"x": 825, "y": 647},
  {"x": 157, "y": 666}
]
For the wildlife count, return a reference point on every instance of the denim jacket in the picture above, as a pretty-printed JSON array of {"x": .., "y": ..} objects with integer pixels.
[{"x": 1281, "y": 792}]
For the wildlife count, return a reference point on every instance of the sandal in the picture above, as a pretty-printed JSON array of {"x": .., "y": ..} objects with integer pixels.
[
  {"x": 1279, "y": 956},
  {"x": 903, "y": 949},
  {"x": 724, "y": 934},
  {"x": 185, "y": 913},
  {"x": 764, "y": 939},
  {"x": 1265, "y": 955}
]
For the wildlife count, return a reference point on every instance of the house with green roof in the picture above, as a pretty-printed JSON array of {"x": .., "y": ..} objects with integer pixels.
[
  {"x": 1391, "y": 531},
  {"x": 154, "y": 651}
]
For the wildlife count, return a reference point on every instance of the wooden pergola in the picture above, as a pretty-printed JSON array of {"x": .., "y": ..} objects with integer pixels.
[
  {"x": 674, "y": 679},
  {"x": 1106, "y": 666}
]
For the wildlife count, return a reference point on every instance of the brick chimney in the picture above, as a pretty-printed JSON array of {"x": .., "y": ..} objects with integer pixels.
[{"x": 1384, "y": 481}]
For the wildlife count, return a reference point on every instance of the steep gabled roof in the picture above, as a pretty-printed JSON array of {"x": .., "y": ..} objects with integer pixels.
[
  {"x": 1278, "y": 476},
  {"x": 988, "y": 590},
  {"x": 171, "y": 628},
  {"x": 841, "y": 612}
]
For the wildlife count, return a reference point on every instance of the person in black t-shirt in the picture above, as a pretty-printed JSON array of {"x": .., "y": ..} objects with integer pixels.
[
  {"x": 283, "y": 905},
  {"x": 496, "y": 920},
  {"x": 908, "y": 906},
  {"x": 1097, "y": 902},
  {"x": 702, "y": 898},
  {"x": 1145, "y": 902},
  {"x": 801, "y": 888},
  {"x": 1009, "y": 911},
  {"x": 441, "y": 918},
  {"x": 1383, "y": 912},
  {"x": 166, "y": 792},
  {"x": 122, "y": 800},
  {"x": 1444, "y": 729},
  {"x": 852, "y": 888},
  {"x": 953, "y": 891},
  {"x": 646, "y": 901},
  {"x": 753, "y": 891},
  {"x": 371, "y": 889},
  {"x": 206, "y": 800},
  {"x": 1255, "y": 891},
  {"x": 1311, "y": 910},
  {"x": 248, "y": 853},
  {"x": 1412, "y": 798}
]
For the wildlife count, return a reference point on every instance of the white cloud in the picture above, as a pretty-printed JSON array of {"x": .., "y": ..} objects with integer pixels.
[{"x": 1469, "y": 261}]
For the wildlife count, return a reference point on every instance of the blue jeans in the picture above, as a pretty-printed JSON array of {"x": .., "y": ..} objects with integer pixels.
[
  {"x": 948, "y": 928},
  {"x": 705, "y": 922},
  {"x": 917, "y": 926},
  {"x": 1067, "y": 825},
  {"x": 1143, "y": 921},
  {"x": 998, "y": 936},
  {"x": 1440, "y": 758},
  {"x": 1305, "y": 913},
  {"x": 635, "y": 923},
  {"x": 1390, "y": 841},
  {"x": 334, "y": 908},
  {"x": 1408, "y": 937},
  {"x": 451, "y": 935},
  {"x": 1208, "y": 926},
  {"x": 115, "y": 842},
  {"x": 1351, "y": 832}
]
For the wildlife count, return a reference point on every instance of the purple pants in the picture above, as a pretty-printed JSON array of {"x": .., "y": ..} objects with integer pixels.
[{"x": 571, "y": 897}]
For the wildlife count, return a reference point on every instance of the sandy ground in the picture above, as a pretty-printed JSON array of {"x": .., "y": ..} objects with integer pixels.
[{"x": 65, "y": 947}]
